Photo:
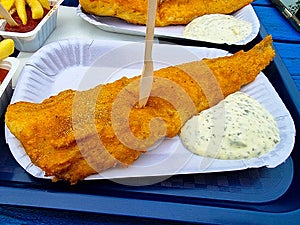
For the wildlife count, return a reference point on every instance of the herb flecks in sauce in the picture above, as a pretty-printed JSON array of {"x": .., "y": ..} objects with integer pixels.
[
  {"x": 218, "y": 28},
  {"x": 238, "y": 127}
]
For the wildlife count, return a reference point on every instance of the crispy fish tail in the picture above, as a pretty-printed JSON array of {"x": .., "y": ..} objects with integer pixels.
[{"x": 242, "y": 67}]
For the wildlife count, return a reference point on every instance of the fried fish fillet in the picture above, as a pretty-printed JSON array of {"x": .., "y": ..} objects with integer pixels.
[
  {"x": 169, "y": 12},
  {"x": 78, "y": 133}
]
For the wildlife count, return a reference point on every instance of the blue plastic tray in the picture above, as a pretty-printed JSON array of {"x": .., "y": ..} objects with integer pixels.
[{"x": 251, "y": 185}]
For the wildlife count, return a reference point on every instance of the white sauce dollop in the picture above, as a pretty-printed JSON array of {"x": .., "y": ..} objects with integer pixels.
[
  {"x": 218, "y": 28},
  {"x": 238, "y": 127}
]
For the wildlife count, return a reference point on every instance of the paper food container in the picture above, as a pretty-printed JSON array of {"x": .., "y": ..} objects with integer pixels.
[
  {"x": 11, "y": 64},
  {"x": 33, "y": 40}
]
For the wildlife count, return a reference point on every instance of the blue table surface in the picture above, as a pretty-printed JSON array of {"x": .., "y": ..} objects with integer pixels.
[{"x": 287, "y": 45}]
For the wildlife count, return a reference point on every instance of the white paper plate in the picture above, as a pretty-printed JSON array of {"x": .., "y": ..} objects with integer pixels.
[
  {"x": 52, "y": 69},
  {"x": 116, "y": 25}
]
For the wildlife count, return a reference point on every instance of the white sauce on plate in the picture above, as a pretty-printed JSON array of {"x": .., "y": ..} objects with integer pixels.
[
  {"x": 238, "y": 127},
  {"x": 218, "y": 28}
]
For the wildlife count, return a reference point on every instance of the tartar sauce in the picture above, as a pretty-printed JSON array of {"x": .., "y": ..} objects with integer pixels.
[
  {"x": 239, "y": 127},
  {"x": 218, "y": 28}
]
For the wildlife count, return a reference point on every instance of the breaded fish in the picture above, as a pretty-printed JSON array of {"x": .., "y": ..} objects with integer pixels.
[
  {"x": 169, "y": 12},
  {"x": 75, "y": 134}
]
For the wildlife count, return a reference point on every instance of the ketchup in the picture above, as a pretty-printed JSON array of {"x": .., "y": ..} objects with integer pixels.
[
  {"x": 3, "y": 73},
  {"x": 31, "y": 23}
]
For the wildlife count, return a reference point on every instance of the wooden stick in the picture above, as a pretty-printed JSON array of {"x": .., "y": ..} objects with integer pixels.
[
  {"x": 147, "y": 74},
  {"x": 7, "y": 16}
]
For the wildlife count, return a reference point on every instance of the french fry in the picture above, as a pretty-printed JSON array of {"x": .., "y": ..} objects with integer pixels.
[
  {"x": 45, "y": 4},
  {"x": 36, "y": 9},
  {"x": 20, "y": 6},
  {"x": 7, "y": 4},
  {"x": 7, "y": 47}
]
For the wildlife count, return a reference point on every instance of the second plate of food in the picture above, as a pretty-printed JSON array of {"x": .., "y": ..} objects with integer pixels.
[{"x": 112, "y": 24}]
